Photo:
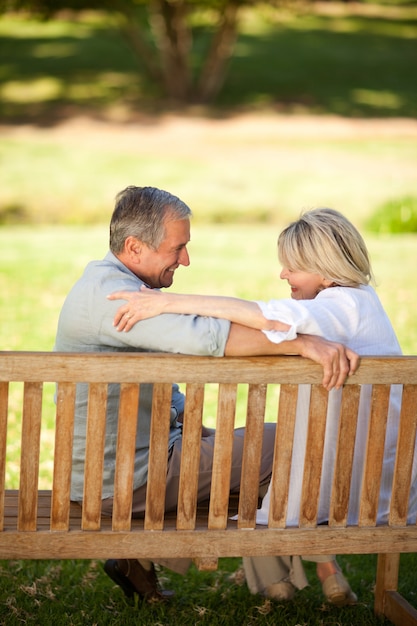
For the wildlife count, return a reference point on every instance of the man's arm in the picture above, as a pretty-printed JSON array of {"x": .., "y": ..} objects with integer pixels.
[{"x": 337, "y": 361}]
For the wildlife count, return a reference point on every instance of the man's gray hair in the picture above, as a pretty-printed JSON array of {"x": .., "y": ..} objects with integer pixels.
[{"x": 142, "y": 212}]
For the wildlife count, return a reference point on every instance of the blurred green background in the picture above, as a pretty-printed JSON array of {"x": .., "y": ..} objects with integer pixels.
[{"x": 318, "y": 109}]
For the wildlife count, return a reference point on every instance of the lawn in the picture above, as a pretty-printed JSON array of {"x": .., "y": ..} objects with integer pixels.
[
  {"x": 330, "y": 122},
  {"x": 354, "y": 60},
  {"x": 77, "y": 593}
]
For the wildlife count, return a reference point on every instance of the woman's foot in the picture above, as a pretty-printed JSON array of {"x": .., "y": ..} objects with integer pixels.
[
  {"x": 282, "y": 590},
  {"x": 335, "y": 586}
]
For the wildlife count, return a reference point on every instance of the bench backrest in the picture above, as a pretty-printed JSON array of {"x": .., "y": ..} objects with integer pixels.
[{"x": 130, "y": 369}]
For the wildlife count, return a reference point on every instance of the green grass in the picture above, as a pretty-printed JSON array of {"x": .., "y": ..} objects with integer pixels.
[
  {"x": 343, "y": 61},
  {"x": 334, "y": 62},
  {"x": 242, "y": 172},
  {"x": 67, "y": 89},
  {"x": 78, "y": 593}
]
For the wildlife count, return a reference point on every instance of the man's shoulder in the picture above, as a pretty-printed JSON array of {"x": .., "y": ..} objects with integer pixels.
[{"x": 107, "y": 271}]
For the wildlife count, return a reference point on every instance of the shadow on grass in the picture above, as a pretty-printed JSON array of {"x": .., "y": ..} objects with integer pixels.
[
  {"x": 356, "y": 67},
  {"x": 366, "y": 72}
]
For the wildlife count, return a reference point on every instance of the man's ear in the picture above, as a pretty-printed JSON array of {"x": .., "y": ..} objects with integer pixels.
[{"x": 133, "y": 248}]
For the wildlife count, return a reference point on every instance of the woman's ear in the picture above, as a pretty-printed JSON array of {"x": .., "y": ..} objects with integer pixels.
[{"x": 328, "y": 283}]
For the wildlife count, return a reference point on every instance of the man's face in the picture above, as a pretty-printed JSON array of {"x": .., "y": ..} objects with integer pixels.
[{"x": 157, "y": 267}]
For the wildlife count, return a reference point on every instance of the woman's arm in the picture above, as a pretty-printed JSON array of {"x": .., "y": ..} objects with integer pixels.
[
  {"x": 149, "y": 303},
  {"x": 337, "y": 361}
]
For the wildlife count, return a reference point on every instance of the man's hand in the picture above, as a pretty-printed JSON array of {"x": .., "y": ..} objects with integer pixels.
[{"x": 337, "y": 361}]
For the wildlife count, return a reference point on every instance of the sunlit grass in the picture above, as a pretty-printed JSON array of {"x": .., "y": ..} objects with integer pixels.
[
  {"x": 225, "y": 175},
  {"x": 36, "y": 90},
  {"x": 376, "y": 98}
]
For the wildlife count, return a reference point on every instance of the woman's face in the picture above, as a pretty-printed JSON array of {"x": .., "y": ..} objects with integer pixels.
[{"x": 304, "y": 285}]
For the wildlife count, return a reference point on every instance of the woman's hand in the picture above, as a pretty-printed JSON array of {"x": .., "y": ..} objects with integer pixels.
[{"x": 140, "y": 305}]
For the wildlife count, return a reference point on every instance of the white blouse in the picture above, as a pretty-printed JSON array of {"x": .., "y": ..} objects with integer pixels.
[{"x": 356, "y": 318}]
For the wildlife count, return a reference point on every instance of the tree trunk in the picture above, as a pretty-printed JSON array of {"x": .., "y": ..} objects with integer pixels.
[
  {"x": 213, "y": 74},
  {"x": 133, "y": 33},
  {"x": 166, "y": 59},
  {"x": 173, "y": 37},
  {"x": 168, "y": 63}
]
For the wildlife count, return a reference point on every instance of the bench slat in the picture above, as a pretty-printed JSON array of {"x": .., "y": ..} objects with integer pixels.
[
  {"x": 44, "y": 510},
  {"x": 64, "y": 435},
  {"x": 398, "y": 611},
  {"x": 29, "y": 459},
  {"x": 125, "y": 456},
  {"x": 222, "y": 457},
  {"x": 94, "y": 455},
  {"x": 130, "y": 367},
  {"x": 281, "y": 469},
  {"x": 4, "y": 406},
  {"x": 314, "y": 456},
  {"x": 252, "y": 452},
  {"x": 374, "y": 457},
  {"x": 190, "y": 456},
  {"x": 158, "y": 456},
  {"x": 339, "y": 502},
  {"x": 171, "y": 543},
  {"x": 405, "y": 456}
]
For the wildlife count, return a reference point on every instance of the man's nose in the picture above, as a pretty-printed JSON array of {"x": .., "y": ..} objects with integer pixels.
[{"x": 184, "y": 257}]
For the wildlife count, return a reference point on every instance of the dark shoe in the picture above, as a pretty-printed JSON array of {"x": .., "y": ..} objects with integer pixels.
[{"x": 133, "y": 578}]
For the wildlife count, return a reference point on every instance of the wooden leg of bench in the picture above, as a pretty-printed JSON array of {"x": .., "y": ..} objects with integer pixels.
[
  {"x": 388, "y": 602},
  {"x": 386, "y": 579},
  {"x": 206, "y": 563}
]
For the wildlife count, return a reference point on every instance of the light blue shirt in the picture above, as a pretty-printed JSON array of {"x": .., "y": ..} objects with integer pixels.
[{"x": 86, "y": 325}]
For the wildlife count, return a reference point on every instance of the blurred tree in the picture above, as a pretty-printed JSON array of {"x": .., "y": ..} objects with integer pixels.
[{"x": 159, "y": 33}]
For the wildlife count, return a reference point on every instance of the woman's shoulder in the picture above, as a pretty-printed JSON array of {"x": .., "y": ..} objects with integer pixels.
[
  {"x": 349, "y": 293},
  {"x": 361, "y": 297}
]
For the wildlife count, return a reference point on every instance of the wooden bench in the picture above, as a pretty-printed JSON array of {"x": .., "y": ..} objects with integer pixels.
[{"x": 44, "y": 524}]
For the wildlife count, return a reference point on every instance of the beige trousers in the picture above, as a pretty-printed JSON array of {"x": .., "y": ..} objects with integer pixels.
[
  {"x": 262, "y": 571},
  {"x": 204, "y": 482}
]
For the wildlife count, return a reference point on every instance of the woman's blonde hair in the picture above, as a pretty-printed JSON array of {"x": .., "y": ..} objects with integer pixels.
[{"x": 324, "y": 242}]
